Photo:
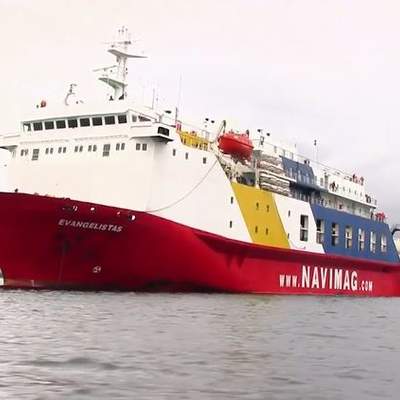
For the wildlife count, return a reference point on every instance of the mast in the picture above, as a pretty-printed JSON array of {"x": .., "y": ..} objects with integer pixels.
[{"x": 115, "y": 76}]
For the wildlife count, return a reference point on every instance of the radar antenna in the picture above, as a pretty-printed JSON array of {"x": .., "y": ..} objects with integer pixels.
[{"x": 115, "y": 76}]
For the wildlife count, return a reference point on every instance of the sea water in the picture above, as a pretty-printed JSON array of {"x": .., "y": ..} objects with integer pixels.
[{"x": 75, "y": 345}]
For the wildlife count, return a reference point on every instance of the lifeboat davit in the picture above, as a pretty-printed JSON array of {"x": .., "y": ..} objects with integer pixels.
[{"x": 237, "y": 145}]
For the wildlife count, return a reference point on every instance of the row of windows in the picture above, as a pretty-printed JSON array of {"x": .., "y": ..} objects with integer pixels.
[
  {"x": 348, "y": 235},
  {"x": 78, "y": 149},
  {"x": 187, "y": 156},
  {"x": 82, "y": 122}
]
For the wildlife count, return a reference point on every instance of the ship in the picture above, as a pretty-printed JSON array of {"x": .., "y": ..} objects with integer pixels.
[{"x": 115, "y": 195}]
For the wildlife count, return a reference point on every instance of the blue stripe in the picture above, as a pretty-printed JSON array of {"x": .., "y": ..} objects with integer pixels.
[{"x": 344, "y": 219}]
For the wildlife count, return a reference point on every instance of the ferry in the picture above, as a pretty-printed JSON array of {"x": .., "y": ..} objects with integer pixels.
[{"x": 119, "y": 196}]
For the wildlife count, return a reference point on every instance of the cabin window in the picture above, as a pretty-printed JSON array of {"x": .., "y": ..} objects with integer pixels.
[
  {"x": 144, "y": 146},
  {"x": 361, "y": 239},
  {"x": 59, "y": 150},
  {"x": 267, "y": 207},
  {"x": 372, "y": 242},
  {"x": 117, "y": 146},
  {"x": 186, "y": 156},
  {"x": 27, "y": 127},
  {"x": 335, "y": 234},
  {"x": 256, "y": 229},
  {"x": 90, "y": 147},
  {"x": 60, "y": 124},
  {"x": 288, "y": 213},
  {"x": 37, "y": 126},
  {"x": 174, "y": 152},
  {"x": 134, "y": 118},
  {"x": 349, "y": 237},
  {"x": 72, "y": 123},
  {"x": 304, "y": 228},
  {"x": 64, "y": 149},
  {"x": 51, "y": 150},
  {"x": 35, "y": 155},
  {"x": 97, "y": 121},
  {"x": 122, "y": 119},
  {"x": 266, "y": 231},
  {"x": 257, "y": 206},
  {"x": 106, "y": 150},
  {"x": 163, "y": 131},
  {"x": 95, "y": 147},
  {"x": 84, "y": 122},
  {"x": 143, "y": 119},
  {"x": 76, "y": 149},
  {"x": 320, "y": 231},
  {"x": 80, "y": 149},
  {"x": 230, "y": 224},
  {"x": 49, "y": 125},
  {"x": 109, "y": 120},
  {"x": 137, "y": 146},
  {"x": 231, "y": 200},
  {"x": 122, "y": 146},
  {"x": 383, "y": 244},
  {"x": 47, "y": 150}
]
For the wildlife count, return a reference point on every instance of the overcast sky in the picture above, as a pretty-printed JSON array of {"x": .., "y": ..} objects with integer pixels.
[{"x": 303, "y": 70}]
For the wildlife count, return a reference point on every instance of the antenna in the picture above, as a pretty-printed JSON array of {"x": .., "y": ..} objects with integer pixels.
[{"x": 115, "y": 76}]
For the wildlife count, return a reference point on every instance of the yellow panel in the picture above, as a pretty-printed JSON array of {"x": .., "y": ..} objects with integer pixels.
[{"x": 261, "y": 215}]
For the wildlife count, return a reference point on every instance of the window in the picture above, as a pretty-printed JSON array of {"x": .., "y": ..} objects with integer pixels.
[
  {"x": 349, "y": 237},
  {"x": 59, "y": 150},
  {"x": 163, "y": 131},
  {"x": 361, "y": 239},
  {"x": 288, "y": 213},
  {"x": 72, "y": 123},
  {"x": 90, "y": 147},
  {"x": 122, "y": 119},
  {"x": 266, "y": 231},
  {"x": 256, "y": 229},
  {"x": 37, "y": 126},
  {"x": 230, "y": 224},
  {"x": 117, "y": 146},
  {"x": 27, "y": 127},
  {"x": 47, "y": 150},
  {"x": 231, "y": 200},
  {"x": 76, "y": 149},
  {"x": 80, "y": 149},
  {"x": 143, "y": 119},
  {"x": 97, "y": 121},
  {"x": 94, "y": 147},
  {"x": 267, "y": 207},
  {"x": 122, "y": 146},
  {"x": 106, "y": 150},
  {"x": 304, "y": 228},
  {"x": 174, "y": 152},
  {"x": 257, "y": 206},
  {"x": 144, "y": 146},
  {"x": 109, "y": 120},
  {"x": 35, "y": 154},
  {"x": 137, "y": 146},
  {"x": 372, "y": 243},
  {"x": 383, "y": 244},
  {"x": 186, "y": 156},
  {"x": 134, "y": 118},
  {"x": 51, "y": 150},
  {"x": 320, "y": 231},
  {"x": 64, "y": 149},
  {"x": 335, "y": 234},
  {"x": 49, "y": 125},
  {"x": 60, "y": 124},
  {"x": 84, "y": 122}
]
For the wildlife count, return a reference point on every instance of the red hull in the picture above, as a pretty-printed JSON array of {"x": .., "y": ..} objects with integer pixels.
[{"x": 60, "y": 243}]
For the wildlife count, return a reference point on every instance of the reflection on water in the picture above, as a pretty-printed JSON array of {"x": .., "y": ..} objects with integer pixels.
[{"x": 57, "y": 345}]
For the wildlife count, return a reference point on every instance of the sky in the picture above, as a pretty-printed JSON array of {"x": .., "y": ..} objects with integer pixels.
[{"x": 325, "y": 70}]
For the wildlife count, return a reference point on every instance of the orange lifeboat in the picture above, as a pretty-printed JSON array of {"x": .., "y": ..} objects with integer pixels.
[{"x": 237, "y": 145}]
